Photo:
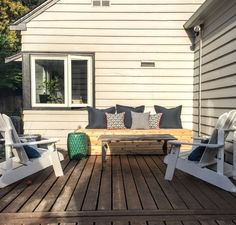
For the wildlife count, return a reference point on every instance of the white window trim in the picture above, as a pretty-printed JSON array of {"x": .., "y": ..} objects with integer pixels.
[
  {"x": 89, "y": 80},
  {"x": 67, "y": 81}
]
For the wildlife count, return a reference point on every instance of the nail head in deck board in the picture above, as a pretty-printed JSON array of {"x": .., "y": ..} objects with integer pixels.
[
  {"x": 170, "y": 192},
  {"x": 65, "y": 195},
  {"x": 35, "y": 199},
  {"x": 77, "y": 198},
  {"x": 188, "y": 199},
  {"x": 90, "y": 201},
  {"x": 105, "y": 193},
  {"x": 50, "y": 198},
  {"x": 118, "y": 197},
  {"x": 142, "y": 188},
  {"x": 132, "y": 198},
  {"x": 154, "y": 187}
]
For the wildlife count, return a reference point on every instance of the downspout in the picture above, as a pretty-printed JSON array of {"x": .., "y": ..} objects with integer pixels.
[
  {"x": 200, "y": 85},
  {"x": 198, "y": 32}
]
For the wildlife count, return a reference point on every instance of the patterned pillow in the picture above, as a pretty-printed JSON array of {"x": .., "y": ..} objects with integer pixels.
[
  {"x": 154, "y": 121},
  {"x": 115, "y": 121}
]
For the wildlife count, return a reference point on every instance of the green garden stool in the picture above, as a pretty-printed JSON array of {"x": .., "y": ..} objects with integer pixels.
[{"x": 77, "y": 145}]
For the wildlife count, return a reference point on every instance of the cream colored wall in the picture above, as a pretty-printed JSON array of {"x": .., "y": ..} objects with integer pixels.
[
  {"x": 121, "y": 36},
  {"x": 218, "y": 66}
]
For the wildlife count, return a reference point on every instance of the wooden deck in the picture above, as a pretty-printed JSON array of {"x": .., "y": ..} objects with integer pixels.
[{"x": 130, "y": 191}]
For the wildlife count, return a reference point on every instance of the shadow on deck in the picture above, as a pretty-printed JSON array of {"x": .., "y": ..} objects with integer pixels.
[{"x": 130, "y": 191}]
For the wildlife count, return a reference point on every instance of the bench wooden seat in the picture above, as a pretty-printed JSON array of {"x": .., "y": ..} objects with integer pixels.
[{"x": 133, "y": 147}]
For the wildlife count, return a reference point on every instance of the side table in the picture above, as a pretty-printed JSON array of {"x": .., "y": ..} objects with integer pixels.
[{"x": 77, "y": 145}]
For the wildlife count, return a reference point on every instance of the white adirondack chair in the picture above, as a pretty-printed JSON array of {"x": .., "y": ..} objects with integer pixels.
[
  {"x": 17, "y": 165},
  {"x": 211, "y": 168}
]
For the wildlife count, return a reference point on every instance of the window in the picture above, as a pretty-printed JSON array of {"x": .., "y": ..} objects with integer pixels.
[
  {"x": 61, "y": 81},
  {"x": 101, "y": 2}
]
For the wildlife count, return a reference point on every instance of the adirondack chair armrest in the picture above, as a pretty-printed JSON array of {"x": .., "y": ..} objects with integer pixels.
[
  {"x": 201, "y": 138},
  {"x": 178, "y": 143},
  {"x": 42, "y": 142},
  {"x": 230, "y": 130}
]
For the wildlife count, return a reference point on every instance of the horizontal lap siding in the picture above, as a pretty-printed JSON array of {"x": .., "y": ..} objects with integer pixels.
[
  {"x": 121, "y": 36},
  {"x": 218, "y": 66}
]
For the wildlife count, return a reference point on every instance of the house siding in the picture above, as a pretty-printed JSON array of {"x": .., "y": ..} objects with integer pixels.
[
  {"x": 121, "y": 36},
  {"x": 218, "y": 66}
]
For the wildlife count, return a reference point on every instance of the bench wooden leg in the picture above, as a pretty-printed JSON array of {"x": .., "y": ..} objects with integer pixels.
[
  {"x": 104, "y": 152},
  {"x": 164, "y": 147}
]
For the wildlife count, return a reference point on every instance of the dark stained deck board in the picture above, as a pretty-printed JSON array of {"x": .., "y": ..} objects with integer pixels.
[
  {"x": 170, "y": 192},
  {"x": 118, "y": 192},
  {"x": 111, "y": 196},
  {"x": 28, "y": 191},
  {"x": 141, "y": 186},
  {"x": 91, "y": 198},
  {"x": 132, "y": 198},
  {"x": 105, "y": 193},
  {"x": 76, "y": 201},
  {"x": 209, "y": 190},
  {"x": 64, "y": 197},
  {"x": 208, "y": 222},
  {"x": 154, "y": 187},
  {"x": 194, "y": 190},
  {"x": 31, "y": 203},
  {"x": 51, "y": 196},
  {"x": 191, "y": 222},
  {"x": 227, "y": 222},
  {"x": 187, "y": 197}
]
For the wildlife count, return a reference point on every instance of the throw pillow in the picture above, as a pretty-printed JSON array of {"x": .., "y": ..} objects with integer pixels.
[
  {"x": 197, "y": 153},
  {"x": 115, "y": 121},
  {"x": 170, "y": 117},
  {"x": 97, "y": 117},
  {"x": 154, "y": 121},
  {"x": 127, "y": 110},
  {"x": 31, "y": 152},
  {"x": 140, "y": 120}
]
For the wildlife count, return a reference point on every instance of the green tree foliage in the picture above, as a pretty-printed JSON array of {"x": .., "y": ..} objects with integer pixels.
[
  {"x": 32, "y": 3},
  {"x": 10, "y": 74},
  {"x": 10, "y": 11}
]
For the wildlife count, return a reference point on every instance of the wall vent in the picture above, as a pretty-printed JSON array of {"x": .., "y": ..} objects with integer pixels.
[
  {"x": 96, "y": 3},
  {"x": 101, "y": 2},
  {"x": 147, "y": 64}
]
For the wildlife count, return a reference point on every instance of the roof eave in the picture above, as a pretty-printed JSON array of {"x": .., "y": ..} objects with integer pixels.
[
  {"x": 196, "y": 18},
  {"x": 16, "y": 57},
  {"x": 20, "y": 24}
]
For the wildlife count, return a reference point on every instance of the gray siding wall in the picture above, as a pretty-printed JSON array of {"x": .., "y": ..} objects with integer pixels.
[
  {"x": 218, "y": 66},
  {"x": 121, "y": 36}
]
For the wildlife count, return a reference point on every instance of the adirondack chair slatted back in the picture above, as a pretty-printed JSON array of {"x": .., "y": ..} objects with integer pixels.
[
  {"x": 10, "y": 135},
  {"x": 224, "y": 122}
]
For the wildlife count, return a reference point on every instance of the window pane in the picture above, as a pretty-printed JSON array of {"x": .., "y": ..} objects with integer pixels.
[
  {"x": 79, "y": 81},
  {"x": 49, "y": 81}
]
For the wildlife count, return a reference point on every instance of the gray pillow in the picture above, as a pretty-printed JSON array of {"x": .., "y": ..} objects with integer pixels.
[
  {"x": 97, "y": 117},
  {"x": 170, "y": 117},
  {"x": 127, "y": 110},
  {"x": 140, "y": 120}
]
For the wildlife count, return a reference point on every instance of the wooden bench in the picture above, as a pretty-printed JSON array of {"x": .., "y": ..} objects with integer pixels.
[
  {"x": 108, "y": 139},
  {"x": 132, "y": 147}
]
